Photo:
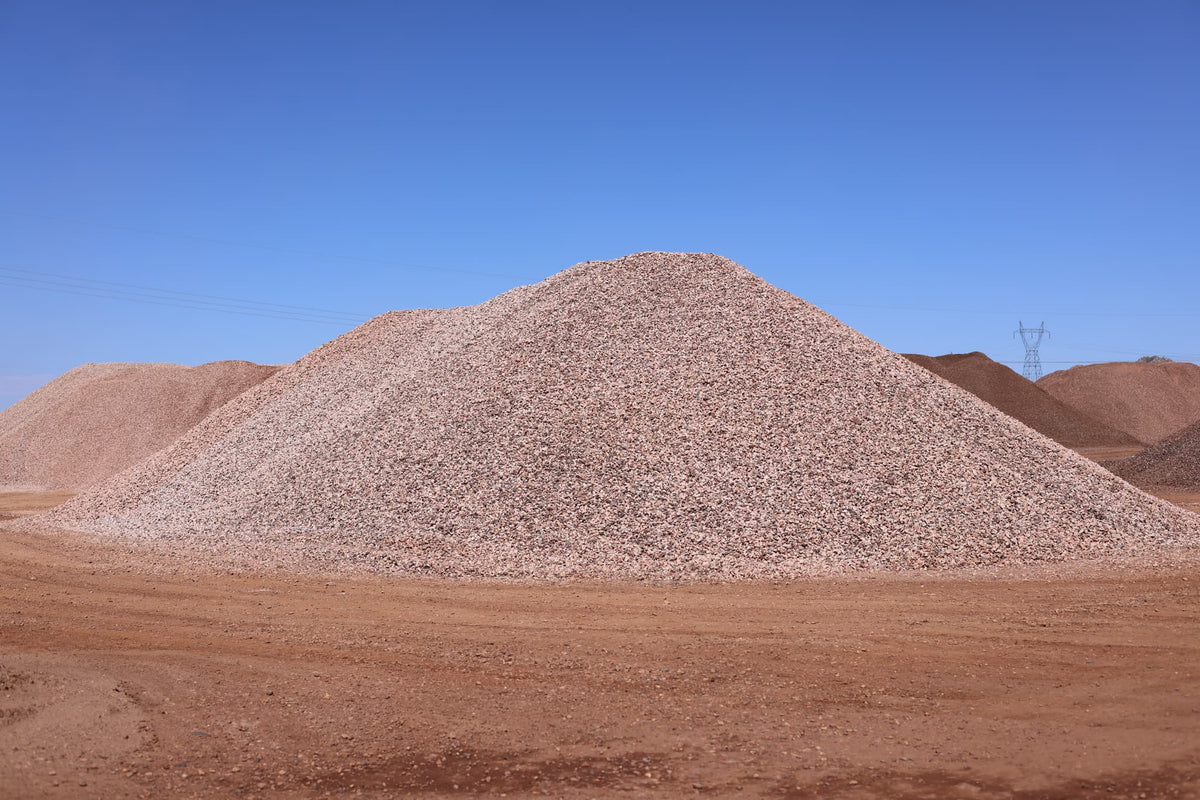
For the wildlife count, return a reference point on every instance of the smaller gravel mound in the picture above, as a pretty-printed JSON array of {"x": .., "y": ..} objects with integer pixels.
[
  {"x": 1148, "y": 401},
  {"x": 1173, "y": 462},
  {"x": 1023, "y": 400},
  {"x": 98, "y": 419}
]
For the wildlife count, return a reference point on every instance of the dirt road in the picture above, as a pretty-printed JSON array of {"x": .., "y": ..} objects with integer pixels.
[{"x": 127, "y": 677}]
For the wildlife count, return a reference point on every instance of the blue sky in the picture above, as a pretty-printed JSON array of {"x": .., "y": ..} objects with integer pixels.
[{"x": 929, "y": 172}]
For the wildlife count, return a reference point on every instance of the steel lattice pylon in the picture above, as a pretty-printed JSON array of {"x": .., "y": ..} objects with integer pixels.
[{"x": 1032, "y": 338}]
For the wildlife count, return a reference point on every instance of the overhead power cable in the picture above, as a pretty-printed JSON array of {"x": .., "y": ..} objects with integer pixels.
[
  {"x": 24, "y": 274},
  {"x": 1075, "y": 363},
  {"x": 174, "y": 305},
  {"x": 257, "y": 246},
  {"x": 1108, "y": 349},
  {"x": 133, "y": 293},
  {"x": 466, "y": 271},
  {"x": 1009, "y": 312}
]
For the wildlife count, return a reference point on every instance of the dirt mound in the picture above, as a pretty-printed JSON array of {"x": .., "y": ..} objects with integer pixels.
[
  {"x": 98, "y": 419},
  {"x": 1148, "y": 401},
  {"x": 1021, "y": 398},
  {"x": 1173, "y": 462},
  {"x": 666, "y": 415}
]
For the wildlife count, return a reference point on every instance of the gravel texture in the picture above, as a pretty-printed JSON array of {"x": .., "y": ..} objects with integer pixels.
[
  {"x": 658, "y": 416},
  {"x": 1148, "y": 401},
  {"x": 1022, "y": 399},
  {"x": 98, "y": 419},
  {"x": 1173, "y": 462}
]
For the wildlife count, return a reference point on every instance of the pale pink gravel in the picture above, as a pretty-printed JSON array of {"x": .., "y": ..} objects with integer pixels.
[
  {"x": 96, "y": 420},
  {"x": 662, "y": 415}
]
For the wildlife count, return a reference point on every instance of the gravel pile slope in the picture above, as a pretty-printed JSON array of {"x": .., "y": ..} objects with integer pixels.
[
  {"x": 98, "y": 419},
  {"x": 1174, "y": 462},
  {"x": 1148, "y": 401},
  {"x": 661, "y": 415},
  {"x": 1022, "y": 399}
]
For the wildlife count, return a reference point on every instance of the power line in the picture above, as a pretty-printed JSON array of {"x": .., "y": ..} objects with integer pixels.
[
  {"x": 1108, "y": 349},
  {"x": 148, "y": 295},
  {"x": 257, "y": 246},
  {"x": 74, "y": 281},
  {"x": 130, "y": 297},
  {"x": 465, "y": 271},
  {"x": 1075, "y": 363},
  {"x": 1014, "y": 312},
  {"x": 173, "y": 305}
]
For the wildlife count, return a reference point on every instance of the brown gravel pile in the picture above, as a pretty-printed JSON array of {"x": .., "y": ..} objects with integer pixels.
[
  {"x": 1148, "y": 401},
  {"x": 1173, "y": 462},
  {"x": 661, "y": 415},
  {"x": 1021, "y": 398},
  {"x": 98, "y": 419}
]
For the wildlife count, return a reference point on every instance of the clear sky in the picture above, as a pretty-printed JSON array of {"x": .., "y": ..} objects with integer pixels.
[{"x": 930, "y": 172}]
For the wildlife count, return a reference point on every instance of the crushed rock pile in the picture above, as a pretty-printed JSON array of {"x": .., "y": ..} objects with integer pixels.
[
  {"x": 1172, "y": 463},
  {"x": 1022, "y": 399},
  {"x": 1149, "y": 401},
  {"x": 98, "y": 419},
  {"x": 662, "y": 415}
]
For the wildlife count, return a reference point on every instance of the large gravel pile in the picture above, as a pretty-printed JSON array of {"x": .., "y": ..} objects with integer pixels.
[
  {"x": 1019, "y": 397},
  {"x": 1148, "y": 401},
  {"x": 665, "y": 415},
  {"x": 98, "y": 419},
  {"x": 1172, "y": 463}
]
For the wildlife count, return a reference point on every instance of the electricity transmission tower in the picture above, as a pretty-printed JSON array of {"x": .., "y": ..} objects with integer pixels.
[{"x": 1032, "y": 338}]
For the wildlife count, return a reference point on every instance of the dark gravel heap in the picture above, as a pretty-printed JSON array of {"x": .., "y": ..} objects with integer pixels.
[
  {"x": 662, "y": 415},
  {"x": 1172, "y": 463},
  {"x": 1022, "y": 399}
]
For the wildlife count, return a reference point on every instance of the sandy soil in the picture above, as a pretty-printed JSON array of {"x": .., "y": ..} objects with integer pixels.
[
  {"x": 22, "y": 504},
  {"x": 1180, "y": 497},
  {"x": 1107, "y": 453},
  {"x": 121, "y": 677}
]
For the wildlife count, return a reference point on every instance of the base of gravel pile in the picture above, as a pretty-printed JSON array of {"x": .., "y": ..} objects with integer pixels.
[
  {"x": 663, "y": 415},
  {"x": 1022, "y": 399},
  {"x": 96, "y": 420}
]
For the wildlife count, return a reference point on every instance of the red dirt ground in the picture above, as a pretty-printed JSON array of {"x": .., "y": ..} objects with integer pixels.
[{"x": 127, "y": 677}]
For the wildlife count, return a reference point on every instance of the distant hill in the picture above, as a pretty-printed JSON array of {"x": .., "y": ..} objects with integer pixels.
[
  {"x": 1021, "y": 398},
  {"x": 98, "y": 419},
  {"x": 1149, "y": 401}
]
